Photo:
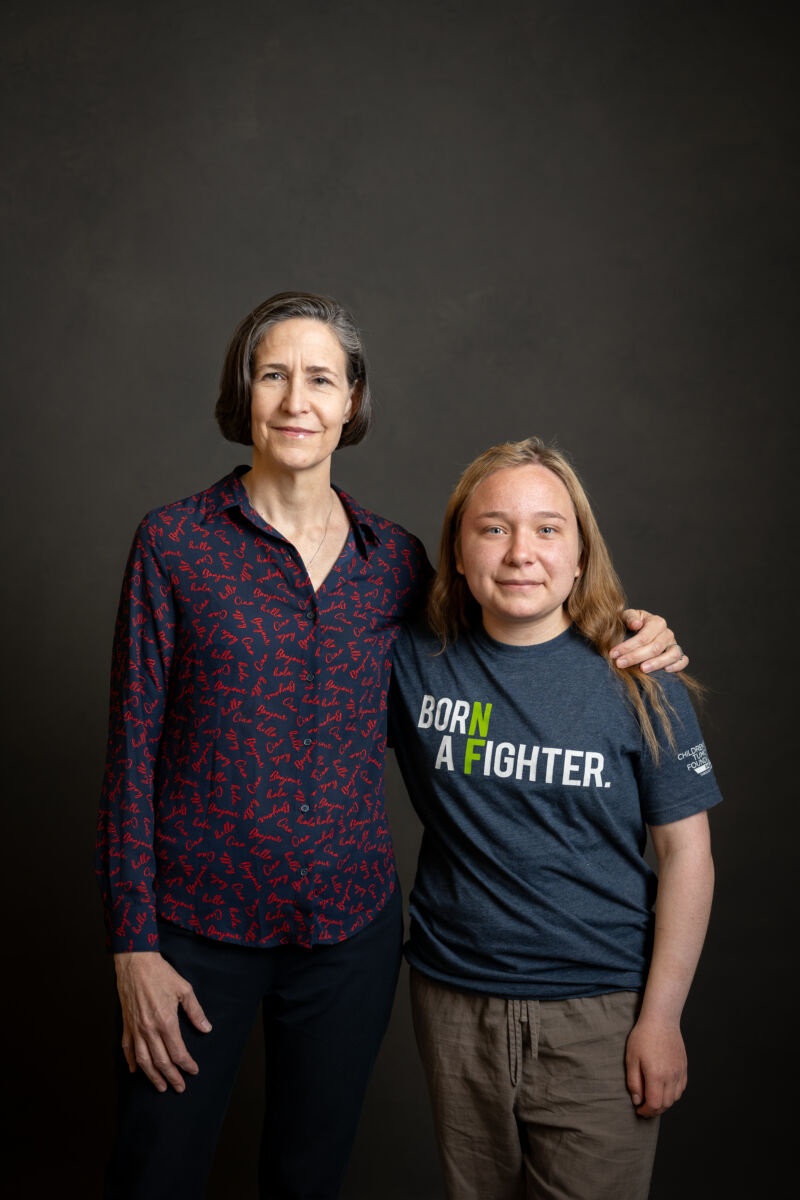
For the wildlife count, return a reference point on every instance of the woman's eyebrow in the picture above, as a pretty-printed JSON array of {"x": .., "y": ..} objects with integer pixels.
[
  {"x": 552, "y": 516},
  {"x": 311, "y": 370},
  {"x": 321, "y": 369}
]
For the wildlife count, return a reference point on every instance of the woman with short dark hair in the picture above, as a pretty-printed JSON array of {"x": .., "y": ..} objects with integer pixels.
[
  {"x": 244, "y": 853},
  {"x": 233, "y": 406}
]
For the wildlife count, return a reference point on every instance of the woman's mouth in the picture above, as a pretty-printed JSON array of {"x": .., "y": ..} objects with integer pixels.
[{"x": 293, "y": 431}]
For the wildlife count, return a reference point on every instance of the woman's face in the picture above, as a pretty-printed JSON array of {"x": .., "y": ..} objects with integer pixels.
[
  {"x": 520, "y": 553},
  {"x": 299, "y": 395}
]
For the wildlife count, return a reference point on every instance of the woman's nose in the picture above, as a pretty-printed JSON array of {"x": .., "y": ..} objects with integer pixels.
[{"x": 294, "y": 398}]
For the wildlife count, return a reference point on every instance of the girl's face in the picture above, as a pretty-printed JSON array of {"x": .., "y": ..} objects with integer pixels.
[
  {"x": 299, "y": 395},
  {"x": 520, "y": 553}
]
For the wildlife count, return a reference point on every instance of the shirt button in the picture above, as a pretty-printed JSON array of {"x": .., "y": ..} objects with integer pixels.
[
  {"x": 304, "y": 870},
  {"x": 306, "y": 741},
  {"x": 303, "y": 808}
]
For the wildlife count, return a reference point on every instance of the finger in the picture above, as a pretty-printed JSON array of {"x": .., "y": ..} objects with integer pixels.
[
  {"x": 179, "y": 1056},
  {"x": 191, "y": 1006},
  {"x": 653, "y": 1100},
  {"x": 672, "y": 656},
  {"x": 635, "y": 1083},
  {"x": 667, "y": 1101},
  {"x": 673, "y": 1090},
  {"x": 647, "y": 625},
  {"x": 634, "y": 652},
  {"x": 680, "y": 665},
  {"x": 167, "y": 1050},
  {"x": 652, "y": 638},
  {"x": 145, "y": 1061},
  {"x": 634, "y": 617},
  {"x": 128, "y": 1051},
  {"x": 644, "y": 646},
  {"x": 165, "y": 1060}
]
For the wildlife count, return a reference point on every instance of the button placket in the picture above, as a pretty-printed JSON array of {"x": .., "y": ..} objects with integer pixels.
[{"x": 308, "y": 676}]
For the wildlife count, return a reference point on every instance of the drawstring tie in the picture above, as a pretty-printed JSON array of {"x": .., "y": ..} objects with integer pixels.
[{"x": 518, "y": 1013}]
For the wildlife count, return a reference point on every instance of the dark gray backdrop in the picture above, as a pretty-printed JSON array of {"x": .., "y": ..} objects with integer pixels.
[{"x": 566, "y": 218}]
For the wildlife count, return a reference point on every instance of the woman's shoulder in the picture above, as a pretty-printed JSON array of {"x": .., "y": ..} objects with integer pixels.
[
  {"x": 176, "y": 515},
  {"x": 385, "y": 529},
  {"x": 397, "y": 546}
]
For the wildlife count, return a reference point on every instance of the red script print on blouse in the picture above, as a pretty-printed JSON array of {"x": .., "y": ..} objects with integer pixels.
[{"x": 243, "y": 795}]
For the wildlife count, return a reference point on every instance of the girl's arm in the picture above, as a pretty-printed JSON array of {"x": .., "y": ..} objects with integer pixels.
[{"x": 655, "y": 1056}]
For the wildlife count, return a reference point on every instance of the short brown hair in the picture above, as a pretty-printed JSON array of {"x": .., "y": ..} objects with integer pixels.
[{"x": 233, "y": 406}]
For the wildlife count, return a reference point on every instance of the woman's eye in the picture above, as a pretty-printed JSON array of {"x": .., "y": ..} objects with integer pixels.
[
  {"x": 321, "y": 379},
  {"x": 547, "y": 529},
  {"x": 494, "y": 529}
]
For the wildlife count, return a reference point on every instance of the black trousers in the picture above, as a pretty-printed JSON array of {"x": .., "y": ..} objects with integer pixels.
[{"x": 325, "y": 1011}]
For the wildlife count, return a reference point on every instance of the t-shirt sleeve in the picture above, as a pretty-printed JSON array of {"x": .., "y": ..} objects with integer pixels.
[{"x": 682, "y": 782}]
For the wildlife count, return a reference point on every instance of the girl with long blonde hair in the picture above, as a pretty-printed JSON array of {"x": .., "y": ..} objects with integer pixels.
[
  {"x": 594, "y": 605},
  {"x": 546, "y": 993}
]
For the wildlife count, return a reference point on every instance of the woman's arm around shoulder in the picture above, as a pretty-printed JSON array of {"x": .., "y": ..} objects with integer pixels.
[{"x": 653, "y": 646}]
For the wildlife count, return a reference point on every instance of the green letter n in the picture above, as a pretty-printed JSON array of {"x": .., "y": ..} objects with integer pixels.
[{"x": 480, "y": 718}]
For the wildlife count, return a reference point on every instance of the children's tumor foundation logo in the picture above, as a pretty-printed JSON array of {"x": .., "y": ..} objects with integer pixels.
[{"x": 696, "y": 759}]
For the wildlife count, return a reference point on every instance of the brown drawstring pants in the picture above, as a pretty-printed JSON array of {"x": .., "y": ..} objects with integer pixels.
[{"x": 529, "y": 1097}]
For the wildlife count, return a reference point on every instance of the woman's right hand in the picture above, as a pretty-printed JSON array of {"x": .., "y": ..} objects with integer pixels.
[{"x": 150, "y": 993}]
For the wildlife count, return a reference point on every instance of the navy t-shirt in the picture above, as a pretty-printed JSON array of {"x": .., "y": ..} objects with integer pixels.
[{"x": 528, "y": 769}]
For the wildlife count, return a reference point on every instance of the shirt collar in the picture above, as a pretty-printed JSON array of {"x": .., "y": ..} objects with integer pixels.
[{"x": 230, "y": 492}]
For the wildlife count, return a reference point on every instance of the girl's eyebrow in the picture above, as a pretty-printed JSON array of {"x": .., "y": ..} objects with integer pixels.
[{"x": 552, "y": 516}]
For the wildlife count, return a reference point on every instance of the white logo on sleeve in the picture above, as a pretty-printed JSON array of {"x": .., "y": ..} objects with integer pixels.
[{"x": 696, "y": 759}]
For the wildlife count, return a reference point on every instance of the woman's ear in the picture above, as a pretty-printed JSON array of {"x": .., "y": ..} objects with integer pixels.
[{"x": 354, "y": 402}]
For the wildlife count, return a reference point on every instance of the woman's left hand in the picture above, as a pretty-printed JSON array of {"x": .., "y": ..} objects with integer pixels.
[{"x": 653, "y": 648}]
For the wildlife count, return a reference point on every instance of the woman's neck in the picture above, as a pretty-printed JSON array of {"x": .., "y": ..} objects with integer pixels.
[{"x": 290, "y": 501}]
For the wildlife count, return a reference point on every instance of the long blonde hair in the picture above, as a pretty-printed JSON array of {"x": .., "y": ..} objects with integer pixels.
[{"x": 595, "y": 603}]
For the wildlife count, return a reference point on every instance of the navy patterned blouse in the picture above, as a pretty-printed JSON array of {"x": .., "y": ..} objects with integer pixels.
[{"x": 243, "y": 795}]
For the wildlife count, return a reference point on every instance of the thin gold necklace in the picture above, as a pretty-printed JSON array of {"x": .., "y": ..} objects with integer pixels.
[{"x": 309, "y": 561}]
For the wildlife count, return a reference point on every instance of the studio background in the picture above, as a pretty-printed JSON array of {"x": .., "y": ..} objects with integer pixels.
[{"x": 564, "y": 218}]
